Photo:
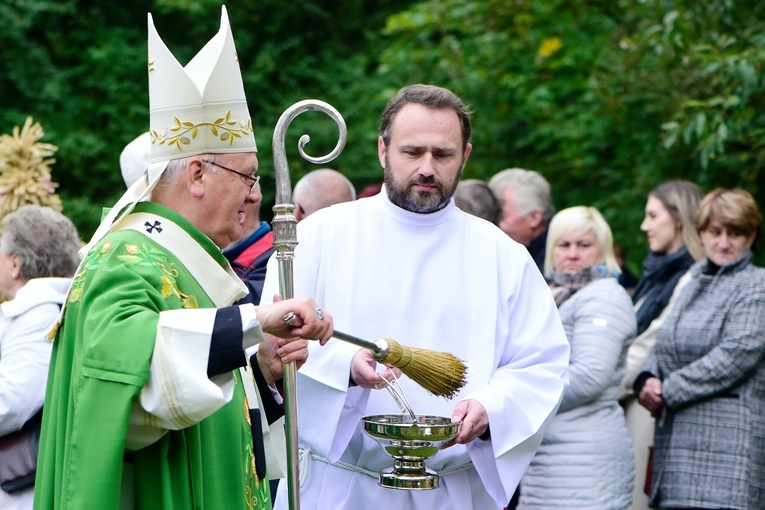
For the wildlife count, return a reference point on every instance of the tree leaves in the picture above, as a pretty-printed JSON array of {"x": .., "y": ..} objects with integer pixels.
[
  {"x": 636, "y": 93},
  {"x": 606, "y": 98}
]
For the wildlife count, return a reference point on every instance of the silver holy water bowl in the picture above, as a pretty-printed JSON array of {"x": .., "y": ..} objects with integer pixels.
[{"x": 410, "y": 443}]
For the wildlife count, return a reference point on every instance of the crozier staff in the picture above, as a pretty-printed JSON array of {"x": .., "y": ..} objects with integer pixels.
[
  {"x": 408, "y": 265},
  {"x": 145, "y": 407}
]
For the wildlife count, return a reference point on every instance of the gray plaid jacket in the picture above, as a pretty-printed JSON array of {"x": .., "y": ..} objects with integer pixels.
[{"x": 710, "y": 443}]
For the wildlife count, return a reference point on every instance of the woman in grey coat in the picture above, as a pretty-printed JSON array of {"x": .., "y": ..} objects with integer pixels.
[
  {"x": 585, "y": 460},
  {"x": 705, "y": 381}
]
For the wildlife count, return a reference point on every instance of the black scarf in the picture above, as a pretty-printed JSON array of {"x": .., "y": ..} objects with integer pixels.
[{"x": 660, "y": 275}]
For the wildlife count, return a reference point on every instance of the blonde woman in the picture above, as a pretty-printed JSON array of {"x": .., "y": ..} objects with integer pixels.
[{"x": 585, "y": 459}]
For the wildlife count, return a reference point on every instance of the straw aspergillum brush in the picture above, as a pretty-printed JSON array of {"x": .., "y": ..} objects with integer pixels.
[{"x": 440, "y": 373}]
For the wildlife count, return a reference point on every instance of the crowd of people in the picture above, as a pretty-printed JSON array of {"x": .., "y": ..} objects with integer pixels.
[
  {"x": 163, "y": 339},
  {"x": 664, "y": 404}
]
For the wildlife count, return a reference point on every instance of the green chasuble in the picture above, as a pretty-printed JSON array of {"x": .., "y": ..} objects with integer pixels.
[{"x": 100, "y": 363}]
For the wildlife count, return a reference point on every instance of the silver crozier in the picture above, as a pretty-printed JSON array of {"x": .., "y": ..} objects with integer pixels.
[{"x": 285, "y": 240}]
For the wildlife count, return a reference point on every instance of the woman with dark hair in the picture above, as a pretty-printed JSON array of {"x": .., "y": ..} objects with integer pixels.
[
  {"x": 670, "y": 227},
  {"x": 38, "y": 255},
  {"x": 704, "y": 380}
]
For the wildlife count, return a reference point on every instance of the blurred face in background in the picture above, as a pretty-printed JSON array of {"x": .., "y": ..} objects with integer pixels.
[
  {"x": 662, "y": 230},
  {"x": 575, "y": 251},
  {"x": 521, "y": 226},
  {"x": 10, "y": 275},
  {"x": 724, "y": 245}
]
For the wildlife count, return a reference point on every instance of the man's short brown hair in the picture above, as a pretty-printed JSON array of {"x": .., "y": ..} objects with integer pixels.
[{"x": 430, "y": 96}]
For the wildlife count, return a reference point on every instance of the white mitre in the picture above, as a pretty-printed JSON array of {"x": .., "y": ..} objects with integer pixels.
[
  {"x": 200, "y": 108},
  {"x": 197, "y": 109}
]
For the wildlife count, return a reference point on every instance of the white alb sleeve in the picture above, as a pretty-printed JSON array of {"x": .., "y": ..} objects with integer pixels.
[{"x": 179, "y": 393}]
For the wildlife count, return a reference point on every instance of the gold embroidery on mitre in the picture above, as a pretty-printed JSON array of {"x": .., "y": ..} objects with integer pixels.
[{"x": 180, "y": 132}]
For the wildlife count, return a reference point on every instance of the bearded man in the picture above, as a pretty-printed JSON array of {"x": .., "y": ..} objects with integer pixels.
[{"x": 409, "y": 265}]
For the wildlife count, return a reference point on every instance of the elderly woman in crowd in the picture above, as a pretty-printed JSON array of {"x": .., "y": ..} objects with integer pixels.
[
  {"x": 38, "y": 255},
  {"x": 705, "y": 381},
  {"x": 585, "y": 460},
  {"x": 674, "y": 244}
]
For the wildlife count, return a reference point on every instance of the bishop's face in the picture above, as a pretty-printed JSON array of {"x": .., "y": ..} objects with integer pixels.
[
  {"x": 230, "y": 196},
  {"x": 424, "y": 159}
]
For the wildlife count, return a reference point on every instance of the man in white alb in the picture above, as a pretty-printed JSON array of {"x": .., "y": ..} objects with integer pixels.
[{"x": 407, "y": 264}]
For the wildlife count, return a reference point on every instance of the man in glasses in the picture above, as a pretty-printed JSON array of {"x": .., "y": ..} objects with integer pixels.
[
  {"x": 249, "y": 256},
  {"x": 149, "y": 404}
]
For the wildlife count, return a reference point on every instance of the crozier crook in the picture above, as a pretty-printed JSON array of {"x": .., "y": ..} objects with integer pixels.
[{"x": 285, "y": 240}]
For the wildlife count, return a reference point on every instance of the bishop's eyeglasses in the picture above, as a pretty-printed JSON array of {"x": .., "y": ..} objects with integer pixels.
[{"x": 253, "y": 179}]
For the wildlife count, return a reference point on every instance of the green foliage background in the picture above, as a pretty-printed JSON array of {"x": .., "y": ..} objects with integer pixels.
[{"x": 606, "y": 98}]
